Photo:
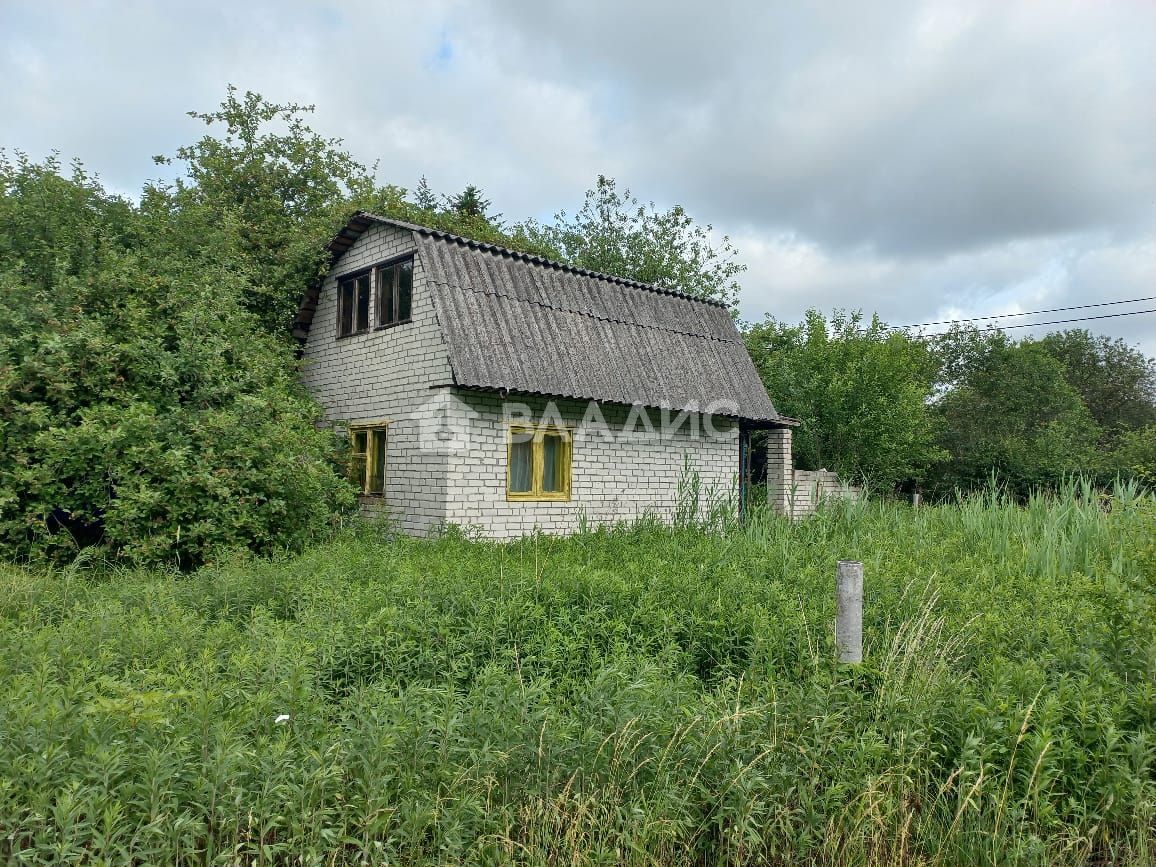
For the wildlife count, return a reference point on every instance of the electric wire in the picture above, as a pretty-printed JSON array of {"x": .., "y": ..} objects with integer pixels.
[
  {"x": 1054, "y": 321},
  {"x": 1035, "y": 313}
]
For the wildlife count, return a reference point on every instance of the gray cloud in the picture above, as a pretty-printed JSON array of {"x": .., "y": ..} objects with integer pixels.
[
  {"x": 919, "y": 159},
  {"x": 910, "y": 128}
]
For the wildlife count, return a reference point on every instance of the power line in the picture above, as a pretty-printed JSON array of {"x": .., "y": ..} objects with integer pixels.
[
  {"x": 1036, "y": 313},
  {"x": 1059, "y": 321}
]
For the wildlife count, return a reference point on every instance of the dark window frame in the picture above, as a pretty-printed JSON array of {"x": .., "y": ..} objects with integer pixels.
[
  {"x": 352, "y": 324},
  {"x": 368, "y": 312},
  {"x": 392, "y": 271}
]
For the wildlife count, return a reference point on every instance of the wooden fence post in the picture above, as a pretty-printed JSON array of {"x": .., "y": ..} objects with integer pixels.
[{"x": 849, "y": 611}]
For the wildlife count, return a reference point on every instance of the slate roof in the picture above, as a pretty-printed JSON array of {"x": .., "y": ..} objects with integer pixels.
[{"x": 521, "y": 323}]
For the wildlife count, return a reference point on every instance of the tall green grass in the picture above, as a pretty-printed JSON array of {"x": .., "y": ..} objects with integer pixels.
[{"x": 637, "y": 695}]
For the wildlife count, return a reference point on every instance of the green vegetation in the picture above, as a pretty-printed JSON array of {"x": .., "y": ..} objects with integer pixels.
[
  {"x": 143, "y": 409},
  {"x": 1032, "y": 411},
  {"x": 949, "y": 412},
  {"x": 149, "y": 407},
  {"x": 613, "y": 233},
  {"x": 860, "y": 391},
  {"x": 644, "y": 695}
]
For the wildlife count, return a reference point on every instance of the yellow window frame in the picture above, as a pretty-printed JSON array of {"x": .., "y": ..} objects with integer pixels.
[
  {"x": 537, "y": 461},
  {"x": 363, "y": 464}
]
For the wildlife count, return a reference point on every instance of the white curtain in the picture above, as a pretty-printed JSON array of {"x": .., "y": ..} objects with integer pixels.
[{"x": 520, "y": 464}]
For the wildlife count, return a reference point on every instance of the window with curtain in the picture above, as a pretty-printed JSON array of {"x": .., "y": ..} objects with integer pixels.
[{"x": 539, "y": 463}]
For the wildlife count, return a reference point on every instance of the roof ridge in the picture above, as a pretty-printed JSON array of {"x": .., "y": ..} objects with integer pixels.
[
  {"x": 485, "y": 246},
  {"x": 586, "y": 313}
]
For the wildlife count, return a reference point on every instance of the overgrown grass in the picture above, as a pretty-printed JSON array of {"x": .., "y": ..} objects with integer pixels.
[{"x": 638, "y": 695}]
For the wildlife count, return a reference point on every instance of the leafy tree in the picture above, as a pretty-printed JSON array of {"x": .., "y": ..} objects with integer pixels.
[
  {"x": 1134, "y": 455},
  {"x": 1116, "y": 381},
  {"x": 279, "y": 189},
  {"x": 65, "y": 226},
  {"x": 860, "y": 391},
  {"x": 142, "y": 409},
  {"x": 612, "y": 233},
  {"x": 1011, "y": 412}
]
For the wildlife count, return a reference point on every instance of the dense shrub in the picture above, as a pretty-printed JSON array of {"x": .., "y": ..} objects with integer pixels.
[{"x": 142, "y": 409}]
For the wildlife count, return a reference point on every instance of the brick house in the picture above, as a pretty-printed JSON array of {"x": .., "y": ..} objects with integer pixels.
[{"x": 503, "y": 392}]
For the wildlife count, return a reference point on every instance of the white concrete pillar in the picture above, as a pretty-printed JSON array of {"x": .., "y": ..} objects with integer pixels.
[{"x": 849, "y": 611}]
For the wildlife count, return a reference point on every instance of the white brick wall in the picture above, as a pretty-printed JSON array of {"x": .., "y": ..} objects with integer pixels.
[
  {"x": 388, "y": 374},
  {"x": 797, "y": 493},
  {"x": 811, "y": 487},
  {"x": 780, "y": 469},
  {"x": 610, "y": 480},
  {"x": 385, "y": 374}
]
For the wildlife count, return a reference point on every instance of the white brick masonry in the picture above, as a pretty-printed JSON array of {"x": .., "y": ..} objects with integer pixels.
[
  {"x": 390, "y": 374},
  {"x": 797, "y": 493},
  {"x": 811, "y": 487},
  {"x": 385, "y": 375},
  {"x": 613, "y": 477}
]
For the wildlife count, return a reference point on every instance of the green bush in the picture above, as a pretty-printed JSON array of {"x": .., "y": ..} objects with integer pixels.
[{"x": 142, "y": 410}]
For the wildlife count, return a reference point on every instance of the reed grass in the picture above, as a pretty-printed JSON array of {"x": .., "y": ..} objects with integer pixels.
[{"x": 631, "y": 695}]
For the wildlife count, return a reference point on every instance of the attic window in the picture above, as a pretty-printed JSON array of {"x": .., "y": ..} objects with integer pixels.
[
  {"x": 353, "y": 305},
  {"x": 539, "y": 463},
  {"x": 394, "y": 292},
  {"x": 385, "y": 290}
]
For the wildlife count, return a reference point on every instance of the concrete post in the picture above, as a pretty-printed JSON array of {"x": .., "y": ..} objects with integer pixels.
[
  {"x": 780, "y": 470},
  {"x": 849, "y": 611}
]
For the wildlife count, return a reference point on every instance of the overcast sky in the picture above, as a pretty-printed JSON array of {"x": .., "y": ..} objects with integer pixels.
[{"x": 921, "y": 160}]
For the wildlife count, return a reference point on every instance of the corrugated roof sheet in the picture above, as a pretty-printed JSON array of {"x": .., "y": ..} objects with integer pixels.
[{"x": 524, "y": 324}]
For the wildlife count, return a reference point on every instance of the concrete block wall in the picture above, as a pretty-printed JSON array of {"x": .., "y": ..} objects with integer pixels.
[
  {"x": 383, "y": 375},
  {"x": 613, "y": 477},
  {"x": 798, "y": 493},
  {"x": 811, "y": 487}
]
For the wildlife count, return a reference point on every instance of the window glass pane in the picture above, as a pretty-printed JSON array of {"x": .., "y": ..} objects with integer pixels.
[
  {"x": 358, "y": 443},
  {"x": 363, "y": 302},
  {"x": 404, "y": 290},
  {"x": 377, "y": 467},
  {"x": 552, "y": 480},
  {"x": 345, "y": 308},
  {"x": 385, "y": 278},
  {"x": 521, "y": 461}
]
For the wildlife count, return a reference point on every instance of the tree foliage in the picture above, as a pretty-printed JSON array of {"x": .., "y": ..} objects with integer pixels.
[
  {"x": 952, "y": 412},
  {"x": 1030, "y": 411},
  {"x": 1013, "y": 414},
  {"x": 859, "y": 390},
  {"x": 612, "y": 233},
  {"x": 276, "y": 187},
  {"x": 470, "y": 203},
  {"x": 143, "y": 409},
  {"x": 424, "y": 207},
  {"x": 1116, "y": 381}
]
